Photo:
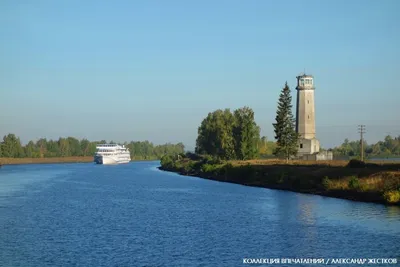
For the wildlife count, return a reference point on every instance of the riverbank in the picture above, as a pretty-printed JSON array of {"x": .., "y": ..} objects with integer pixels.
[
  {"x": 18, "y": 161},
  {"x": 370, "y": 182}
]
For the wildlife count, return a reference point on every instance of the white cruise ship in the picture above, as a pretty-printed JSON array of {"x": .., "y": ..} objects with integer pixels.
[{"x": 111, "y": 154}]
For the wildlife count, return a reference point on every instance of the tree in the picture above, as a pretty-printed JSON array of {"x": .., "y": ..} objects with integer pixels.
[
  {"x": 74, "y": 146},
  {"x": 215, "y": 135},
  {"x": 63, "y": 144},
  {"x": 11, "y": 147},
  {"x": 246, "y": 134},
  {"x": 52, "y": 149},
  {"x": 284, "y": 128},
  {"x": 31, "y": 151},
  {"x": 228, "y": 135},
  {"x": 42, "y": 145},
  {"x": 84, "y": 143}
]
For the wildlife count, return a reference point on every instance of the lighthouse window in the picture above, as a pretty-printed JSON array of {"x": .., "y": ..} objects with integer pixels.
[
  {"x": 308, "y": 116},
  {"x": 308, "y": 101},
  {"x": 301, "y": 145}
]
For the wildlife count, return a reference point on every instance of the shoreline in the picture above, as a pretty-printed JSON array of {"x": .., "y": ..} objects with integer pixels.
[
  {"x": 337, "y": 195},
  {"x": 305, "y": 179},
  {"x": 55, "y": 160}
]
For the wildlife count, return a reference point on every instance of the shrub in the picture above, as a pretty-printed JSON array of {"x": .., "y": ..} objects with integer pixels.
[
  {"x": 167, "y": 161},
  {"x": 225, "y": 169},
  {"x": 392, "y": 196},
  {"x": 207, "y": 159},
  {"x": 177, "y": 165},
  {"x": 193, "y": 156},
  {"x": 186, "y": 169},
  {"x": 326, "y": 183},
  {"x": 391, "y": 183},
  {"x": 208, "y": 168},
  {"x": 364, "y": 187},
  {"x": 354, "y": 183},
  {"x": 355, "y": 163},
  {"x": 211, "y": 160},
  {"x": 228, "y": 166},
  {"x": 196, "y": 165}
]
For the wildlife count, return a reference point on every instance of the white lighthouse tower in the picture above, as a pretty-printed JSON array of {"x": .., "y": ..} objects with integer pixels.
[{"x": 305, "y": 116}]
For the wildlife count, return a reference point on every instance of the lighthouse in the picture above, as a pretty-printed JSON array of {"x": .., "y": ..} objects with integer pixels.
[{"x": 305, "y": 116}]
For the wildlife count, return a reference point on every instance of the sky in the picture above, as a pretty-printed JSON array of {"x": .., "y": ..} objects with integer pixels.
[{"x": 152, "y": 70}]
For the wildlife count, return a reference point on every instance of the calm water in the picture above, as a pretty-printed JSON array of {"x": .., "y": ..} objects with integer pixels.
[{"x": 136, "y": 215}]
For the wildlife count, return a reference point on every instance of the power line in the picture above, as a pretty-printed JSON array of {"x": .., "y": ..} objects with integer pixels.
[
  {"x": 361, "y": 130},
  {"x": 397, "y": 127}
]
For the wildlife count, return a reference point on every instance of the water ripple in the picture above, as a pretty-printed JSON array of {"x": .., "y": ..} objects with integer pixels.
[{"x": 136, "y": 215}]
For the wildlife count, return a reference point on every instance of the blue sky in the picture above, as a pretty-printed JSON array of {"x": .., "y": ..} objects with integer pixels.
[{"x": 152, "y": 70}]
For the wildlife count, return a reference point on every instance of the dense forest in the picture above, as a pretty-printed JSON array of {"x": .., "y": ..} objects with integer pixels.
[
  {"x": 388, "y": 147},
  {"x": 11, "y": 147}
]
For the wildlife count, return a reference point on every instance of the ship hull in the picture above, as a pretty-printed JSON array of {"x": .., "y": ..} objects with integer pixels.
[{"x": 108, "y": 160}]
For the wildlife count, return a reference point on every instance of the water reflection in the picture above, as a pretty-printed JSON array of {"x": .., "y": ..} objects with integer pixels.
[
  {"x": 393, "y": 213},
  {"x": 363, "y": 216},
  {"x": 306, "y": 210}
]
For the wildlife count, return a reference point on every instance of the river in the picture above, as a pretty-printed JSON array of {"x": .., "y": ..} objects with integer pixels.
[{"x": 135, "y": 215}]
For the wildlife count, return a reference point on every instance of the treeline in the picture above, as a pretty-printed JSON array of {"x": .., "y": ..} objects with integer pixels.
[
  {"x": 11, "y": 147},
  {"x": 388, "y": 147}
]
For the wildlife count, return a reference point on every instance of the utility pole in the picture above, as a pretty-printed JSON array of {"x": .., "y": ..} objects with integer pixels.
[{"x": 361, "y": 130}]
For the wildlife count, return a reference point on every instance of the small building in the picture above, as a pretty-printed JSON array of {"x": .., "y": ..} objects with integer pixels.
[
  {"x": 309, "y": 146},
  {"x": 322, "y": 155}
]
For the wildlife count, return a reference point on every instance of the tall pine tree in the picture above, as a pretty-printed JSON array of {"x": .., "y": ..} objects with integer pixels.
[{"x": 285, "y": 131}]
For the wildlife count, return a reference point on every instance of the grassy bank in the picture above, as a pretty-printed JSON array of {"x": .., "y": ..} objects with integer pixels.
[
  {"x": 369, "y": 182},
  {"x": 15, "y": 161}
]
